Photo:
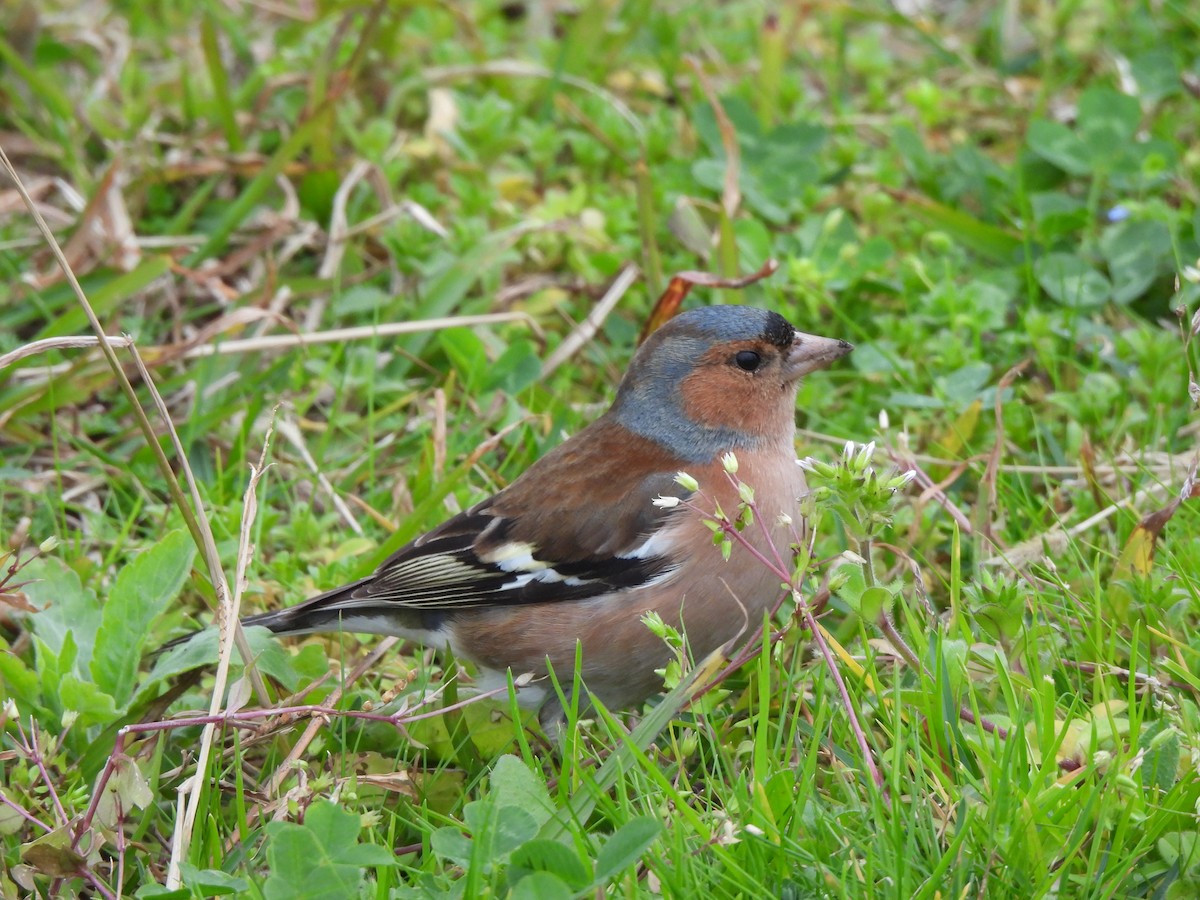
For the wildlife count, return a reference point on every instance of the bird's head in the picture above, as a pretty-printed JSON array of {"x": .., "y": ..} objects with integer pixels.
[{"x": 720, "y": 378}]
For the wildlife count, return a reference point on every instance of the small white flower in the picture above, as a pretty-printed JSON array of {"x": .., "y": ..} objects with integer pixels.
[
  {"x": 754, "y": 830},
  {"x": 730, "y": 462},
  {"x": 49, "y": 545},
  {"x": 808, "y": 464},
  {"x": 1192, "y": 273},
  {"x": 666, "y": 502},
  {"x": 784, "y": 520},
  {"x": 884, "y": 421},
  {"x": 10, "y": 709},
  {"x": 848, "y": 451}
]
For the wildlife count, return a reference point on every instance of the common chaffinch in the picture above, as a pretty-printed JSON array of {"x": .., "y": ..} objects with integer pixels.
[{"x": 576, "y": 549}]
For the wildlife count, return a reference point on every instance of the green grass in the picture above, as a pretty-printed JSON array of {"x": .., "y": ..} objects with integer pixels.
[{"x": 982, "y": 188}]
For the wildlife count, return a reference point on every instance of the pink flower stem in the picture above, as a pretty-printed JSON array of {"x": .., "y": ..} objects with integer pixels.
[
  {"x": 250, "y": 718},
  {"x": 810, "y": 622}
]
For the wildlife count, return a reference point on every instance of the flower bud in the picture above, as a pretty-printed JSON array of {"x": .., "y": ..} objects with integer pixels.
[{"x": 686, "y": 481}]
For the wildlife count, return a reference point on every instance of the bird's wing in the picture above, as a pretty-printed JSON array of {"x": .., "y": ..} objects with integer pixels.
[{"x": 579, "y": 523}]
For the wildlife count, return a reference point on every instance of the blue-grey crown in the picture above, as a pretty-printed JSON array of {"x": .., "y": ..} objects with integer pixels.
[{"x": 733, "y": 323}]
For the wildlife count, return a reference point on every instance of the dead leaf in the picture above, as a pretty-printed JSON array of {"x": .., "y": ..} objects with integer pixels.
[
  {"x": 240, "y": 693},
  {"x": 51, "y": 854},
  {"x": 1137, "y": 557},
  {"x": 443, "y": 118},
  {"x": 689, "y": 229},
  {"x": 954, "y": 438},
  {"x": 127, "y": 790},
  {"x": 1087, "y": 459},
  {"x": 18, "y": 600},
  {"x": 681, "y": 284},
  {"x": 103, "y": 234},
  {"x": 218, "y": 327},
  {"x": 395, "y": 782}
]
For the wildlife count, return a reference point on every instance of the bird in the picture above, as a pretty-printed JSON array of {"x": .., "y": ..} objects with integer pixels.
[{"x": 576, "y": 549}]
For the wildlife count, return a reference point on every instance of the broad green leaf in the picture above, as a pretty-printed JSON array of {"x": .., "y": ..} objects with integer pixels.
[
  {"x": 321, "y": 859},
  {"x": 881, "y": 358},
  {"x": 513, "y": 826},
  {"x": 873, "y": 601},
  {"x": 66, "y": 606},
  {"x": 1156, "y": 74},
  {"x": 555, "y": 857},
  {"x": 18, "y": 681},
  {"x": 1070, "y": 281},
  {"x": 53, "y": 666},
  {"x": 626, "y": 847},
  {"x": 1060, "y": 146},
  {"x": 269, "y": 655},
  {"x": 499, "y": 829},
  {"x": 337, "y": 829},
  {"x": 467, "y": 354},
  {"x": 360, "y": 300},
  {"x": 916, "y": 156},
  {"x": 745, "y": 124},
  {"x": 965, "y": 383},
  {"x": 141, "y": 592},
  {"x": 1057, "y": 214},
  {"x": 94, "y": 706},
  {"x": 541, "y": 886},
  {"x": 1182, "y": 849},
  {"x": 517, "y": 368},
  {"x": 450, "y": 843},
  {"x": 368, "y": 855},
  {"x": 512, "y": 784},
  {"x": 1137, "y": 253},
  {"x": 1160, "y": 744},
  {"x": 212, "y": 882},
  {"x": 1107, "y": 119}
]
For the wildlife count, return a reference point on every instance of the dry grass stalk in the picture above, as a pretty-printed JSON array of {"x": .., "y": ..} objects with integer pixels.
[{"x": 230, "y": 629}]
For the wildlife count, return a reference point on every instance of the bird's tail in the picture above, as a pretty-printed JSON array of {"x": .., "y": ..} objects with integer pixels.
[{"x": 323, "y": 612}]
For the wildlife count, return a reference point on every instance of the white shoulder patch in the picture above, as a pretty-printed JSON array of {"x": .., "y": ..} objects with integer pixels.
[
  {"x": 513, "y": 556},
  {"x": 660, "y": 543}
]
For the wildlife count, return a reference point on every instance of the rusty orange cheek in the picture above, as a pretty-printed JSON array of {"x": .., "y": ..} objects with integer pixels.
[{"x": 725, "y": 398}]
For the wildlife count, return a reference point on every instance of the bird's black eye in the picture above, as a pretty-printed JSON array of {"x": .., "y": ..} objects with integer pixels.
[{"x": 747, "y": 360}]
